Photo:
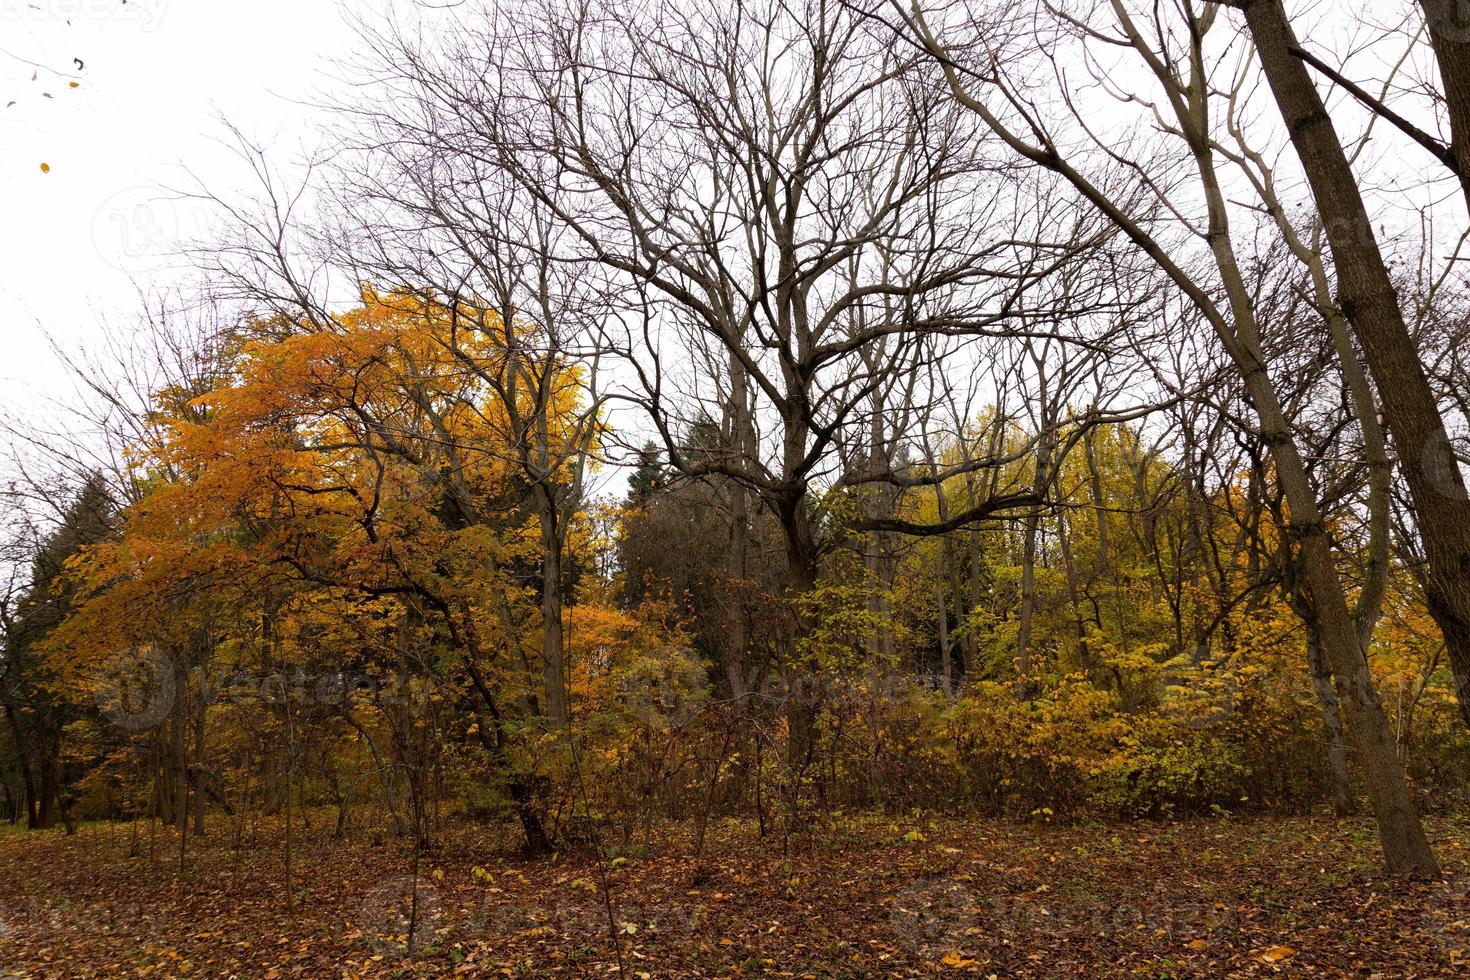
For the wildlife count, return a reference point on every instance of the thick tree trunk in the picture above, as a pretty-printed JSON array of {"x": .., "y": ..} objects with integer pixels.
[
  {"x": 1449, "y": 34},
  {"x": 1368, "y": 298},
  {"x": 1405, "y": 848},
  {"x": 45, "y": 813},
  {"x": 804, "y": 697}
]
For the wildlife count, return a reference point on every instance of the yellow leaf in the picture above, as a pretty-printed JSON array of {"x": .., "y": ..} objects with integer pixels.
[
  {"x": 1278, "y": 953},
  {"x": 45, "y": 168}
]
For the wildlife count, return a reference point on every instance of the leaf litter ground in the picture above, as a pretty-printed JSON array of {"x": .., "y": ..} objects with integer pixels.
[{"x": 868, "y": 896}]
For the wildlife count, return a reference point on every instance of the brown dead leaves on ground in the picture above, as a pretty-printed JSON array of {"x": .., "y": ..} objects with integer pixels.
[{"x": 867, "y": 897}]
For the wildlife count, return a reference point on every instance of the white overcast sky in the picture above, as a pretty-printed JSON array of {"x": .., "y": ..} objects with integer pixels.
[
  {"x": 157, "y": 76},
  {"x": 77, "y": 243}
]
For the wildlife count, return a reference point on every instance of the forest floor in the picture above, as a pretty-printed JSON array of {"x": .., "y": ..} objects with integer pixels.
[{"x": 866, "y": 897}]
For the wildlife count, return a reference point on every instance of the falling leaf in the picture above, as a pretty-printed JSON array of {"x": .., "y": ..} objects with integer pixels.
[{"x": 45, "y": 168}]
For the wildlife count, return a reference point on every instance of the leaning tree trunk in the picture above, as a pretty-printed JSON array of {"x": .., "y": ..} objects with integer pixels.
[
  {"x": 1449, "y": 34},
  {"x": 1405, "y": 848},
  {"x": 1370, "y": 301}
]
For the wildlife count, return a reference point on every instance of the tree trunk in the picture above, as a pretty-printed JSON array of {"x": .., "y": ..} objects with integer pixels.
[
  {"x": 552, "y": 640},
  {"x": 1095, "y": 482},
  {"x": 1031, "y": 531},
  {"x": 179, "y": 768},
  {"x": 1342, "y": 792},
  {"x": 45, "y": 816},
  {"x": 1405, "y": 848},
  {"x": 199, "y": 720},
  {"x": 493, "y": 739},
  {"x": 1449, "y": 34},
  {"x": 1402, "y": 836},
  {"x": 946, "y": 672},
  {"x": 803, "y": 699},
  {"x": 23, "y": 757},
  {"x": 1370, "y": 302}
]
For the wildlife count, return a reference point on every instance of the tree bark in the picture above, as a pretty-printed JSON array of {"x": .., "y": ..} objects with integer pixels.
[
  {"x": 552, "y": 639},
  {"x": 1031, "y": 529},
  {"x": 1449, "y": 35},
  {"x": 1342, "y": 792},
  {"x": 1370, "y": 302}
]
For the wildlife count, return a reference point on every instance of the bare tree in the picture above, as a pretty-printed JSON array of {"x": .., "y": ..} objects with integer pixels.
[{"x": 793, "y": 206}]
